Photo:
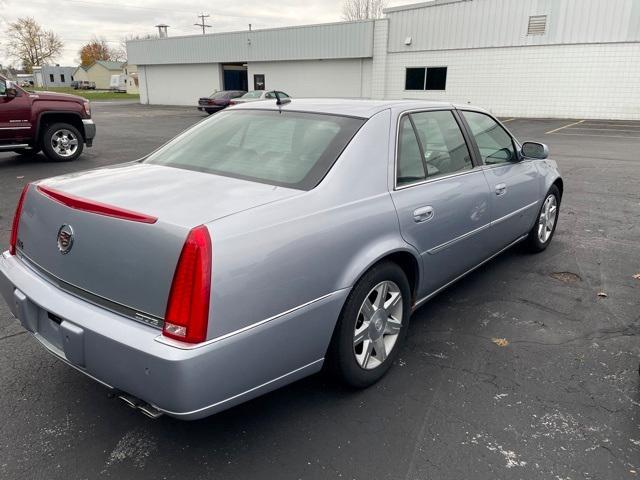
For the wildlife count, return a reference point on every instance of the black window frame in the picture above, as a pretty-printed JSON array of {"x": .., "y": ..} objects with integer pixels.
[
  {"x": 425, "y": 80},
  {"x": 472, "y": 147},
  {"x": 51, "y": 78},
  {"x": 514, "y": 141},
  {"x": 62, "y": 78}
]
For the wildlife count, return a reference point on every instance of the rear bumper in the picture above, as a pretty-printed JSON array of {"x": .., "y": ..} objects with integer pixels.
[
  {"x": 89, "y": 131},
  {"x": 187, "y": 383}
]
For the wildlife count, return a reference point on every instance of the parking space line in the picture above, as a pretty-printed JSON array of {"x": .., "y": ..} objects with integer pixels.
[
  {"x": 584, "y": 127},
  {"x": 591, "y": 135},
  {"x": 508, "y": 120},
  {"x": 636, "y": 125},
  {"x": 566, "y": 126}
]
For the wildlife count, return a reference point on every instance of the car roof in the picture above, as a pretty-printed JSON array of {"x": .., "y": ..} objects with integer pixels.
[{"x": 347, "y": 107}]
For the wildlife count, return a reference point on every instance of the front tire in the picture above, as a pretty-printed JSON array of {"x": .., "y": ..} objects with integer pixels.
[
  {"x": 62, "y": 142},
  {"x": 371, "y": 327},
  {"x": 542, "y": 232}
]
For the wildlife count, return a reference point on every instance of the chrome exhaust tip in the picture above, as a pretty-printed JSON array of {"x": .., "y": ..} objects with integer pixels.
[
  {"x": 150, "y": 411},
  {"x": 137, "y": 404},
  {"x": 130, "y": 400}
]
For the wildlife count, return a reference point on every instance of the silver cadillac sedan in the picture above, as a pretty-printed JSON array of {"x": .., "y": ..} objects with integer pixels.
[{"x": 268, "y": 241}]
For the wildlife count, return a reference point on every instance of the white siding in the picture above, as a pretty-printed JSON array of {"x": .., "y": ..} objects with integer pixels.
[
  {"x": 177, "y": 84},
  {"x": 500, "y": 23},
  {"x": 563, "y": 81},
  {"x": 333, "y": 40},
  {"x": 316, "y": 78}
]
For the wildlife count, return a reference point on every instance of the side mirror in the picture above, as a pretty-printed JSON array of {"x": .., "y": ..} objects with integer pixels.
[
  {"x": 538, "y": 151},
  {"x": 10, "y": 90}
]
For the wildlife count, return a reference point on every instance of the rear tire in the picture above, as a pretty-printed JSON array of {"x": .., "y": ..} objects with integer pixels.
[
  {"x": 62, "y": 142},
  {"x": 542, "y": 232},
  {"x": 372, "y": 326}
]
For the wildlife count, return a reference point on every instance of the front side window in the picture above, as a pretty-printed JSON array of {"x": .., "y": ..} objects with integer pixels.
[
  {"x": 495, "y": 144},
  {"x": 290, "y": 149},
  {"x": 3, "y": 87},
  {"x": 430, "y": 145}
]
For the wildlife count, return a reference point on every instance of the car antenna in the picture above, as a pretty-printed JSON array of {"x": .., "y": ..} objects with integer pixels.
[{"x": 281, "y": 100}]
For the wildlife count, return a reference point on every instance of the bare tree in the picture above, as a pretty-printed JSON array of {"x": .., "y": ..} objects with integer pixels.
[
  {"x": 363, "y": 9},
  {"x": 119, "y": 53},
  {"x": 28, "y": 43}
]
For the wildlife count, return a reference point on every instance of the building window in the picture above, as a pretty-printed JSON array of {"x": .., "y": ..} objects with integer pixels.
[
  {"x": 430, "y": 78},
  {"x": 537, "y": 25},
  {"x": 72, "y": 78},
  {"x": 51, "y": 77},
  {"x": 415, "y": 79},
  {"x": 258, "y": 82},
  {"x": 62, "y": 77}
]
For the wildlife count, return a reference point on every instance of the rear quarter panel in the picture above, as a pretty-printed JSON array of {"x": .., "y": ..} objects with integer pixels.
[{"x": 274, "y": 258}]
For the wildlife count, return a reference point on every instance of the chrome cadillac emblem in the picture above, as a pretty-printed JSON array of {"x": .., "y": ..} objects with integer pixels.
[{"x": 65, "y": 239}]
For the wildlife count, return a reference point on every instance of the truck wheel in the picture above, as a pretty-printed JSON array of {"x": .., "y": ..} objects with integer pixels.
[{"x": 62, "y": 142}]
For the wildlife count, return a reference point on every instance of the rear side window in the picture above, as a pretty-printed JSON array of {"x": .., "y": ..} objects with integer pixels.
[
  {"x": 495, "y": 144},
  {"x": 410, "y": 163},
  {"x": 430, "y": 145},
  {"x": 290, "y": 149}
]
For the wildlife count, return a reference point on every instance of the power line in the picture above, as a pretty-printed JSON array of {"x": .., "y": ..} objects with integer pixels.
[{"x": 204, "y": 26}]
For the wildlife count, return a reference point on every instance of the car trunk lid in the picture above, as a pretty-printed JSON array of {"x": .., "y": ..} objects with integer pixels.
[{"x": 127, "y": 226}]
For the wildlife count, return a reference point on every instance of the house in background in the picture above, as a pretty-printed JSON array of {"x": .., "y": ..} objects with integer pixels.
[
  {"x": 99, "y": 72},
  {"x": 131, "y": 76},
  {"x": 80, "y": 74},
  {"x": 53, "y": 76}
]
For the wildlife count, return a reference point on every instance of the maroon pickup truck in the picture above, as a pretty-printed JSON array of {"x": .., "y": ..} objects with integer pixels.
[{"x": 58, "y": 124}]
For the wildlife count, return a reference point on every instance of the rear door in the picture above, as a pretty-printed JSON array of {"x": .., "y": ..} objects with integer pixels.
[
  {"x": 514, "y": 183},
  {"x": 15, "y": 115},
  {"x": 441, "y": 196}
]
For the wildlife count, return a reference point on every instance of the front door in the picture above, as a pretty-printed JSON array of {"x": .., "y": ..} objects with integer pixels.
[
  {"x": 514, "y": 185},
  {"x": 15, "y": 116},
  {"x": 441, "y": 197}
]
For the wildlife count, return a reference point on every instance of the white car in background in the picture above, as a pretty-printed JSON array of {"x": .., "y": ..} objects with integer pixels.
[{"x": 256, "y": 95}]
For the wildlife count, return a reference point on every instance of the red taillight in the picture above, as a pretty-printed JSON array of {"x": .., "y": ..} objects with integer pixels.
[
  {"x": 210, "y": 102},
  {"x": 94, "y": 207},
  {"x": 16, "y": 221},
  {"x": 187, "y": 314},
  {"x": 232, "y": 102}
]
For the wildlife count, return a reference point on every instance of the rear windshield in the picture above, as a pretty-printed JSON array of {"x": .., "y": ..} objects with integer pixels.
[
  {"x": 254, "y": 94},
  {"x": 225, "y": 95},
  {"x": 290, "y": 149}
]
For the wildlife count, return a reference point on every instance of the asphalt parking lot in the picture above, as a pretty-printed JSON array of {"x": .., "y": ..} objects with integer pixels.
[{"x": 520, "y": 371}]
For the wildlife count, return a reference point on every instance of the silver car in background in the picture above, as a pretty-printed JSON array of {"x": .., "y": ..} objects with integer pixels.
[{"x": 269, "y": 241}]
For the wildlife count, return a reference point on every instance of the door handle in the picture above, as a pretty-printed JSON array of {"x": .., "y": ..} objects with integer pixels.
[
  {"x": 423, "y": 214},
  {"x": 501, "y": 189}
]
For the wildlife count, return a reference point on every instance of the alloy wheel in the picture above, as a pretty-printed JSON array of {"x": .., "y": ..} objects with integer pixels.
[
  {"x": 547, "y": 220},
  {"x": 64, "y": 142},
  {"x": 378, "y": 325}
]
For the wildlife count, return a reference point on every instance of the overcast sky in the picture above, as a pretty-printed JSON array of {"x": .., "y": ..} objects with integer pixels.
[{"x": 76, "y": 21}]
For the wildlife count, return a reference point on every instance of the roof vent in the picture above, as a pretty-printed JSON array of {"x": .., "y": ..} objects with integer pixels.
[{"x": 537, "y": 25}]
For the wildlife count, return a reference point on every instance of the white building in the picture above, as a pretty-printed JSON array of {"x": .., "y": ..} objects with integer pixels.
[{"x": 527, "y": 58}]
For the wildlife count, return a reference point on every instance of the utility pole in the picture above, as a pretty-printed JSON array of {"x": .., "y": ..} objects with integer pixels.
[{"x": 204, "y": 26}]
